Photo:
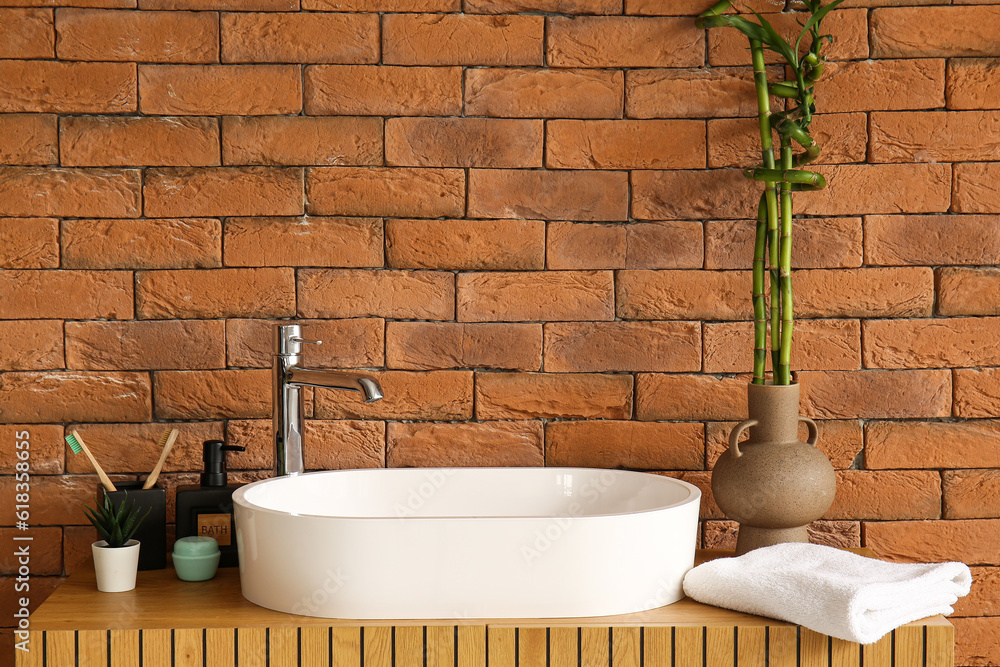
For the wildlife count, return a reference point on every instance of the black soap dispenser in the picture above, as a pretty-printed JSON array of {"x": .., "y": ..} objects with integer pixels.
[{"x": 207, "y": 509}]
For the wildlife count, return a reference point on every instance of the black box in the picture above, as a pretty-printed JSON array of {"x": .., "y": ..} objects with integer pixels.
[{"x": 152, "y": 532}]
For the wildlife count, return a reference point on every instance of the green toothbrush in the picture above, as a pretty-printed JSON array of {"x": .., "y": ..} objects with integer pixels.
[{"x": 77, "y": 445}]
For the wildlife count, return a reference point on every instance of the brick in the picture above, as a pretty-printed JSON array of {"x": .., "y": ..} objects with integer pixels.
[
  {"x": 551, "y": 296},
  {"x": 717, "y": 92},
  {"x": 77, "y": 552},
  {"x": 553, "y": 396},
  {"x": 213, "y": 293},
  {"x": 907, "y": 444},
  {"x": 350, "y": 343},
  {"x": 971, "y": 494},
  {"x": 239, "y": 5},
  {"x": 301, "y": 140},
  {"x": 463, "y": 142},
  {"x": 123, "y": 141},
  {"x": 142, "y": 244},
  {"x": 401, "y": 295},
  {"x": 690, "y": 397},
  {"x": 840, "y": 534},
  {"x": 625, "y": 144},
  {"x": 223, "y": 191},
  {"x": 386, "y": 191},
  {"x": 494, "y": 444},
  {"x": 55, "y": 87},
  {"x": 818, "y": 243},
  {"x": 462, "y": 39},
  {"x": 600, "y": 41},
  {"x": 735, "y": 142},
  {"x": 973, "y": 83},
  {"x": 45, "y": 444},
  {"x": 934, "y": 136},
  {"x": 935, "y": 32},
  {"x": 887, "y": 495},
  {"x": 75, "y": 396},
  {"x": 300, "y": 38},
  {"x": 81, "y": 295},
  {"x": 380, "y": 90},
  {"x": 383, "y": 5},
  {"x": 29, "y": 243},
  {"x": 432, "y": 345},
  {"x": 974, "y": 190},
  {"x": 544, "y": 93},
  {"x": 848, "y": 27},
  {"x": 217, "y": 90},
  {"x": 555, "y": 6},
  {"x": 665, "y": 347},
  {"x": 969, "y": 541},
  {"x": 865, "y": 292},
  {"x": 962, "y": 291},
  {"x": 548, "y": 195},
  {"x": 45, "y": 548},
  {"x": 220, "y": 394},
  {"x": 694, "y": 194},
  {"x": 625, "y": 444},
  {"x": 69, "y": 192},
  {"x": 31, "y": 345},
  {"x": 28, "y": 139},
  {"x": 141, "y": 346},
  {"x": 984, "y": 598},
  {"x": 882, "y": 85},
  {"x": 841, "y": 440},
  {"x": 27, "y": 33},
  {"x": 975, "y": 641},
  {"x": 55, "y": 501},
  {"x": 906, "y": 239},
  {"x": 305, "y": 241},
  {"x": 880, "y": 188},
  {"x": 41, "y": 589},
  {"x": 135, "y": 448},
  {"x": 694, "y": 7},
  {"x": 159, "y": 37},
  {"x": 332, "y": 445},
  {"x": 876, "y": 394},
  {"x": 932, "y": 343},
  {"x": 976, "y": 393},
  {"x": 640, "y": 245},
  {"x": 465, "y": 244},
  {"x": 817, "y": 345},
  {"x": 683, "y": 295},
  {"x": 437, "y": 395}
]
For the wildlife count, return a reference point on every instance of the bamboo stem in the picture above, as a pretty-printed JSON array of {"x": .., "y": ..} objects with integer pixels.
[
  {"x": 759, "y": 297},
  {"x": 782, "y": 370}
]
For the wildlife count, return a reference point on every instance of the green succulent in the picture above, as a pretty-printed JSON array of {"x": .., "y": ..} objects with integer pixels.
[{"x": 116, "y": 525}]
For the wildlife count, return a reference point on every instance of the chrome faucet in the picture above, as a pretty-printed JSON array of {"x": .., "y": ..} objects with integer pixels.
[{"x": 286, "y": 393}]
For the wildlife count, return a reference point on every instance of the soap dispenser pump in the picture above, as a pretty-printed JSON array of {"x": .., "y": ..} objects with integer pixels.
[{"x": 207, "y": 509}]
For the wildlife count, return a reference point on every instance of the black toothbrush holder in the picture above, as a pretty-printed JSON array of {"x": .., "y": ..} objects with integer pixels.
[{"x": 152, "y": 532}]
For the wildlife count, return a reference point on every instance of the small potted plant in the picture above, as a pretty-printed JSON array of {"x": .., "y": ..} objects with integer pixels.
[
  {"x": 773, "y": 485},
  {"x": 116, "y": 557}
]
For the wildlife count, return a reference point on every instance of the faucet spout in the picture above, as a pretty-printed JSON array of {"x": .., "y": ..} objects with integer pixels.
[
  {"x": 308, "y": 377},
  {"x": 288, "y": 379}
]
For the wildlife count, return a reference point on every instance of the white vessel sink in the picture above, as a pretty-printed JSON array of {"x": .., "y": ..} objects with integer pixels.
[{"x": 430, "y": 543}]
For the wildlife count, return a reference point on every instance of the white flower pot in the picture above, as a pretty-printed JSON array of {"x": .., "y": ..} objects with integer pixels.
[{"x": 115, "y": 567}]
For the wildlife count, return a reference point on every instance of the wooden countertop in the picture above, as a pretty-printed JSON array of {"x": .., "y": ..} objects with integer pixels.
[{"x": 160, "y": 600}]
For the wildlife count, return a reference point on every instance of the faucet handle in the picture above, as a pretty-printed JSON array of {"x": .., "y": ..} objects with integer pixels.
[{"x": 304, "y": 341}]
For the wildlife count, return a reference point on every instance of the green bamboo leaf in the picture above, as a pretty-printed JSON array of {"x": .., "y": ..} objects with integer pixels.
[
  {"x": 747, "y": 27},
  {"x": 777, "y": 42},
  {"x": 818, "y": 15}
]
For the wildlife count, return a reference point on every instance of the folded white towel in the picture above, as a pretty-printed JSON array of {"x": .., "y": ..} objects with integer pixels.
[{"x": 834, "y": 592}]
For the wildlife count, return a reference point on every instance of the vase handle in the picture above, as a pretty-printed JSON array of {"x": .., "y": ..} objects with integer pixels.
[
  {"x": 737, "y": 432},
  {"x": 813, "y": 430}
]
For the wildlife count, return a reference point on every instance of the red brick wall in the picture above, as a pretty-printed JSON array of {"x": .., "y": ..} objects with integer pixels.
[{"x": 531, "y": 224}]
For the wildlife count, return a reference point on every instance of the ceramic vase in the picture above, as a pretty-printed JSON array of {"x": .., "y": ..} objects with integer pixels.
[
  {"x": 115, "y": 566},
  {"x": 773, "y": 484}
]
